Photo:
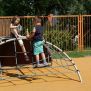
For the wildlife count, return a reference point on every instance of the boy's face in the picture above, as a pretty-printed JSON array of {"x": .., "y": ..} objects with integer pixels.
[{"x": 17, "y": 21}]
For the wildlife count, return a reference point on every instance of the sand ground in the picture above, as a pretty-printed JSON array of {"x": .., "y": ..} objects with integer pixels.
[{"x": 53, "y": 83}]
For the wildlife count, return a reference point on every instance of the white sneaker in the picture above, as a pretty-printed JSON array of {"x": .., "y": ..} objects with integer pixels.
[
  {"x": 40, "y": 65},
  {"x": 46, "y": 64}
]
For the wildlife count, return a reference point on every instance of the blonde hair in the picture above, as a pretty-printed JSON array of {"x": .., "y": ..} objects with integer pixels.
[{"x": 14, "y": 19}]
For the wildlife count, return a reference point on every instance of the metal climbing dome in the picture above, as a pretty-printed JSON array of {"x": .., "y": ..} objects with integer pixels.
[{"x": 12, "y": 63}]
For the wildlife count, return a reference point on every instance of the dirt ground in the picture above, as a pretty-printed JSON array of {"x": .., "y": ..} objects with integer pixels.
[{"x": 53, "y": 83}]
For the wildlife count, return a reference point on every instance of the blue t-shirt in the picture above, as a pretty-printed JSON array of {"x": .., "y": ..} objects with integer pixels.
[{"x": 38, "y": 34}]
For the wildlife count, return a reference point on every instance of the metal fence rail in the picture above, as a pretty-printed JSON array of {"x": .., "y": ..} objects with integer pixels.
[
  {"x": 86, "y": 24},
  {"x": 69, "y": 32}
]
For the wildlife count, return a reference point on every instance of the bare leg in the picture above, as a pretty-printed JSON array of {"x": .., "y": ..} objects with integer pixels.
[
  {"x": 44, "y": 59},
  {"x": 38, "y": 62},
  {"x": 37, "y": 58},
  {"x": 43, "y": 55},
  {"x": 23, "y": 49},
  {"x": 22, "y": 46}
]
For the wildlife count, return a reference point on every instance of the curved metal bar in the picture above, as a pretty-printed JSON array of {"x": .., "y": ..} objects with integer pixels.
[
  {"x": 70, "y": 60},
  {"x": 4, "y": 40}
]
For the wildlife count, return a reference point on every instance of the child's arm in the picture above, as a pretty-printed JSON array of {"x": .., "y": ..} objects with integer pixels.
[
  {"x": 30, "y": 36},
  {"x": 12, "y": 26}
]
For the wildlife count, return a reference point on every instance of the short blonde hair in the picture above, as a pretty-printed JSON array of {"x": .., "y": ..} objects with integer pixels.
[{"x": 14, "y": 19}]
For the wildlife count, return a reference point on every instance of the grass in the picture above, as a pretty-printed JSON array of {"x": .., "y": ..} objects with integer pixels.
[
  {"x": 73, "y": 54},
  {"x": 76, "y": 54}
]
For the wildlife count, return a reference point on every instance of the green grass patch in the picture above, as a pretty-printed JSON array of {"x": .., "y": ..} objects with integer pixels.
[
  {"x": 76, "y": 54},
  {"x": 72, "y": 54}
]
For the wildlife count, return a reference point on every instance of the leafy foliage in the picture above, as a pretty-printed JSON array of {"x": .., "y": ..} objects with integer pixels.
[
  {"x": 63, "y": 39},
  {"x": 44, "y": 7}
]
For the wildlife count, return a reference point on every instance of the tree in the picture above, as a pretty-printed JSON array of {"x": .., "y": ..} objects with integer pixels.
[
  {"x": 44, "y": 7},
  {"x": 1, "y": 9},
  {"x": 18, "y": 7},
  {"x": 87, "y": 5},
  {"x": 76, "y": 7}
]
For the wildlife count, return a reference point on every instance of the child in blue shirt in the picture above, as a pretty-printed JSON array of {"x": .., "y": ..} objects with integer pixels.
[{"x": 37, "y": 38}]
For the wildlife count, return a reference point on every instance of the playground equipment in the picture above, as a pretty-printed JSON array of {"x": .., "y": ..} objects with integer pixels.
[{"x": 12, "y": 59}]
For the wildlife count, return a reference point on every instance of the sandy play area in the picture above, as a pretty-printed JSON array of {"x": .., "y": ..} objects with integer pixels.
[{"x": 53, "y": 82}]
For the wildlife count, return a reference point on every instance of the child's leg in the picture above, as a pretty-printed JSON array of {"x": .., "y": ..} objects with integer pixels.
[
  {"x": 37, "y": 59},
  {"x": 38, "y": 62},
  {"x": 38, "y": 48},
  {"x": 43, "y": 57},
  {"x": 23, "y": 49},
  {"x": 22, "y": 46}
]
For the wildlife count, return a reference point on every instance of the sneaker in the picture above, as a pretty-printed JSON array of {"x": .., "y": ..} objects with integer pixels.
[
  {"x": 46, "y": 64},
  {"x": 40, "y": 65},
  {"x": 27, "y": 58}
]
